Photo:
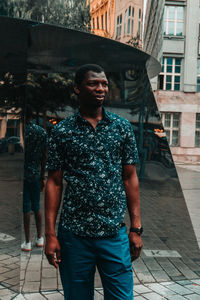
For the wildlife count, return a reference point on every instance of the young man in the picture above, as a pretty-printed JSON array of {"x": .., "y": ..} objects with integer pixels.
[
  {"x": 95, "y": 151},
  {"x": 34, "y": 169}
]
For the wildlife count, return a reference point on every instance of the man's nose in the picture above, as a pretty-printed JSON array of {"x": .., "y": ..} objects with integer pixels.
[{"x": 100, "y": 87}]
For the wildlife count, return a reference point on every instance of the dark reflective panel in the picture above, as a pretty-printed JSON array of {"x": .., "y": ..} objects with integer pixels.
[
  {"x": 13, "y": 44},
  {"x": 168, "y": 249},
  {"x": 12, "y": 95}
]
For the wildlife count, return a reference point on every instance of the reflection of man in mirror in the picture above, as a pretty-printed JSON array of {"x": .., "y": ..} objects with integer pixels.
[
  {"x": 95, "y": 151},
  {"x": 34, "y": 180}
]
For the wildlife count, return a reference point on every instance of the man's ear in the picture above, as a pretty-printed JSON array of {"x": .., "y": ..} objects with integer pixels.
[{"x": 76, "y": 90}]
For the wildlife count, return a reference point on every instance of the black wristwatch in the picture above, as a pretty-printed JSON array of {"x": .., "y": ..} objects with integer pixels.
[{"x": 138, "y": 230}]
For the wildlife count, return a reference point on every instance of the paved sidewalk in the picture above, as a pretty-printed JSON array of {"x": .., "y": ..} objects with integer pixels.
[{"x": 169, "y": 267}]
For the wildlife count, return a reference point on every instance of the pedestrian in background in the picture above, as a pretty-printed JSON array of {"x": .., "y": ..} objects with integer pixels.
[{"x": 34, "y": 177}]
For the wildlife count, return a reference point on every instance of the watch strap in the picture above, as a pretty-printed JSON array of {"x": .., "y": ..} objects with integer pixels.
[{"x": 138, "y": 230}]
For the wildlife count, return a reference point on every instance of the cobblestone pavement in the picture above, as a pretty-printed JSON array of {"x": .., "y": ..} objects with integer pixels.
[
  {"x": 11, "y": 171},
  {"x": 169, "y": 267}
]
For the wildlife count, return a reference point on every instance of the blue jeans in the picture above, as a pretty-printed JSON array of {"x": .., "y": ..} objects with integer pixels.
[
  {"x": 79, "y": 258},
  {"x": 31, "y": 195}
]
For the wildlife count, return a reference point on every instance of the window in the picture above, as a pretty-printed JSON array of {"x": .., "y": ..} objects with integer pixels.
[
  {"x": 97, "y": 22},
  {"x": 93, "y": 21},
  {"x": 171, "y": 124},
  {"x": 198, "y": 75},
  {"x": 139, "y": 23},
  {"x": 173, "y": 20},
  {"x": 197, "y": 131},
  {"x": 106, "y": 26},
  {"x": 132, "y": 21},
  {"x": 170, "y": 75},
  {"x": 102, "y": 27},
  {"x": 12, "y": 127},
  {"x": 129, "y": 20},
  {"x": 119, "y": 26},
  {"x": 125, "y": 22}
]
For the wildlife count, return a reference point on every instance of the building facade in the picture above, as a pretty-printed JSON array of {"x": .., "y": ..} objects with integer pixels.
[
  {"x": 178, "y": 85},
  {"x": 118, "y": 20}
]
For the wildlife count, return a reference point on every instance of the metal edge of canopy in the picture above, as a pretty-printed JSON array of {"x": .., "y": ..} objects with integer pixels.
[{"x": 152, "y": 65}]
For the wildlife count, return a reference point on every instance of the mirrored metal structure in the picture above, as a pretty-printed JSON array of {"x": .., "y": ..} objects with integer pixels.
[{"x": 34, "y": 50}]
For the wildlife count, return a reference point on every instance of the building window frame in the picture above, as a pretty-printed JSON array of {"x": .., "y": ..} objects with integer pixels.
[
  {"x": 132, "y": 21},
  {"x": 171, "y": 124},
  {"x": 125, "y": 21},
  {"x": 93, "y": 23},
  {"x": 102, "y": 23},
  {"x": 170, "y": 77},
  {"x": 129, "y": 20},
  {"x": 106, "y": 21},
  {"x": 172, "y": 23},
  {"x": 139, "y": 22},
  {"x": 119, "y": 26},
  {"x": 197, "y": 130},
  {"x": 198, "y": 75}
]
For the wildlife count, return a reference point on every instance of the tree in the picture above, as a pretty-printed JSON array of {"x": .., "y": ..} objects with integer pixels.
[
  {"x": 43, "y": 89},
  {"x": 71, "y": 13}
]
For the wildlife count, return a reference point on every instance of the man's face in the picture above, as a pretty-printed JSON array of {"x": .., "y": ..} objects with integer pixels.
[{"x": 93, "y": 89}]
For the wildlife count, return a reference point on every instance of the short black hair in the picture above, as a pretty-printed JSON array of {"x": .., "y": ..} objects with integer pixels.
[{"x": 82, "y": 70}]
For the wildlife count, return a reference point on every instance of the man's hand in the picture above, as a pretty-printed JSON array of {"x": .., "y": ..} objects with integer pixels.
[
  {"x": 52, "y": 250},
  {"x": 135, "y": 242}
]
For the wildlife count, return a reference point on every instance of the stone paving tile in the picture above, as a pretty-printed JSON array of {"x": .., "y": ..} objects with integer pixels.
[
  {"x": 194, "y": 288},
  {"x": 48, "y": 284},
  {"x": 139, "y": 298},
  {"x": 184, "y": 282},
  {"x": 152, "y": 264},
  {"x": 153, "y": 296},
  {"x": 176, "y": 297},
  {"x": 53, "y": 295},
  {"x": 179, "y": 289},
  {"x": 98, "y": 296},
  {"x": 160, "y": 289},
  {"x": 141, "y": 289},
  {"x": 19, "y": 297},
  {"x": 192, "y": 297},
  {"x": 145, "y": 277},
  {"x": 197, "y": 281},
  {"x": 31, "y": 287},
  {"x": 35, "y": 296},
  {"x": 166, "y": 283},
  {"x": 33, "y": 276},
  {"x": 160, "y": 276},
  {"x": 185, "y": 270}
]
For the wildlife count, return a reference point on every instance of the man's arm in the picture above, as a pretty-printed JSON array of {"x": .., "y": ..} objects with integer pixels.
[
  {"x": 131, "y": 185},
  {"x": 53, "y": 196}
]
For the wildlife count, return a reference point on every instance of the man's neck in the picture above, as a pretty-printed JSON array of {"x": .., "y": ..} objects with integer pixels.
[{"x": 91, "y": 113}]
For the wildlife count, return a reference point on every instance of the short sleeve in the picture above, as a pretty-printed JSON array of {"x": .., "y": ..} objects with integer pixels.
[
  {"x": 130, "y": 152},
  {"x": 55, "y": 160}
]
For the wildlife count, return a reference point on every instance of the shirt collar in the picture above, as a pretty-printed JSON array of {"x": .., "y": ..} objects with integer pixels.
[{"x": 106, "y": 115}]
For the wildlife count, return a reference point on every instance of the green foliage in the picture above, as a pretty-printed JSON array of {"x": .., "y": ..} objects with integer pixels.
[
  {"x": 71, "y": 13},
  {"x": 44, "y": 91},
  {"x": 135, "y": 42}
]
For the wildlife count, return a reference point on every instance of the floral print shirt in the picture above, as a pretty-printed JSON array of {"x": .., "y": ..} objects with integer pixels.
[
  {"x": 35, "y": 145},
  {"x": 91, "y": 159}
]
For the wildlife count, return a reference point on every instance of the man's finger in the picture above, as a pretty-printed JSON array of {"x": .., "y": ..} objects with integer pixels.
[
  {"x": 51, "y": 260},
  {"x": 58, "y": 256}
]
